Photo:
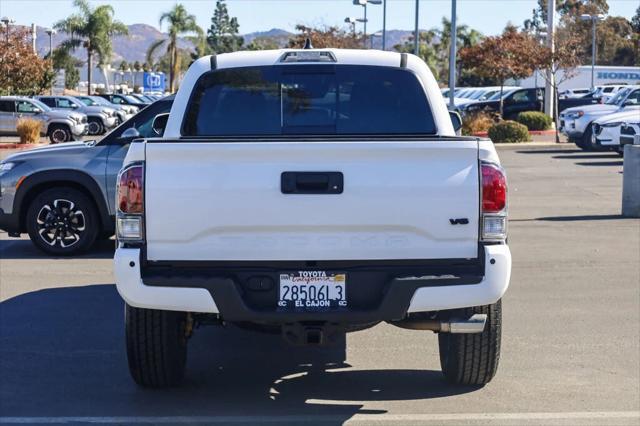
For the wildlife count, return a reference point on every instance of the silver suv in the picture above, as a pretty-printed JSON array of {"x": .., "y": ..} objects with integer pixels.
[
  {"x": 123, "y": 112},
  {"x": 58, "y": 125},
  {"x": 64, "y": 196},
  {"x": 101, "y": 119}
]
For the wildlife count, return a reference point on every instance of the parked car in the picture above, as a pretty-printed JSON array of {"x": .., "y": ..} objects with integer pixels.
[
  {"x": 607, "y": 130},
  {"x": 123, "y": 112},
  {"x": 142, "y": 98},
  {"x": 119, "y": 99},
  {"x": 574, "y": 93},
  {"x": 63, "y": 196},
  {"x": 101, "y": 119},
  {"x": 59, "y": 126},
  {"x": 606, "y": 92},
  {"x": 310, "y": 193},
  {"x": 629, "y": 131},
  {"x": 576, "y": 122},
  {"x": 520, "y": 100}
]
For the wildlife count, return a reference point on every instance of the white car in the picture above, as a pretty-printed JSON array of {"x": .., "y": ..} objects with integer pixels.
[
  {"x": 576, "y": 122},
  {"x": 310, "y": 193},
  {"x": 607, "y": 130},
  {"x": 574, "y": 93}
]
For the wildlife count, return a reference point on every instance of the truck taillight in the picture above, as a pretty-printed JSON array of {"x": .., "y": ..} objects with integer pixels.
[
  {"x": 130, "y": 204},
  {"x": 494, "y": 202}
]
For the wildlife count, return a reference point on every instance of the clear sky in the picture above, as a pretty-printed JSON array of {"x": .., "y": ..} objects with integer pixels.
[{"x": 488, "y": 16}]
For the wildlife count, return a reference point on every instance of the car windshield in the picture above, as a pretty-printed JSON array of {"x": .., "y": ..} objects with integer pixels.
[
  {"x": 132, "y": 99},
  {"x": 88, "y": 102},
  {"x": 615, "y": 100},
  {"x": 100, "y": 101},
  {"x": 308, "y": 100},
  {"x": 40, "y": 105}
]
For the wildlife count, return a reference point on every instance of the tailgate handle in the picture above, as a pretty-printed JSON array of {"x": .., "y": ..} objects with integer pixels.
[{"x": 311, "y": 182}]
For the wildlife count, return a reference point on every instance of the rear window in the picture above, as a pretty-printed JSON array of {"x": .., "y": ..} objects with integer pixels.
[{"x": 308, "y": 100}]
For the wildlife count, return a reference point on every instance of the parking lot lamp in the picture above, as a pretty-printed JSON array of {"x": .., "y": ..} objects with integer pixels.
[
  {"x": 416, "y": 34},
  {"x": 7, "y": 21},
  {"x": 452, "y": 54},
  {"x": 364, "y": 4},
  {"x": 594, "y": 22}
]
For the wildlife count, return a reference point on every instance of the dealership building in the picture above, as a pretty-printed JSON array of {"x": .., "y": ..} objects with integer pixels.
[{"x": 582, "y": 78}]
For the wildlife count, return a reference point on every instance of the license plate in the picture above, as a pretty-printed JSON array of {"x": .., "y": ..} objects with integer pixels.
[{"x": 312, "y": 290}]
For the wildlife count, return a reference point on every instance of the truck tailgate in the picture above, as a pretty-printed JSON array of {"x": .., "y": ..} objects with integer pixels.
[{"x": 224, "y": 201}]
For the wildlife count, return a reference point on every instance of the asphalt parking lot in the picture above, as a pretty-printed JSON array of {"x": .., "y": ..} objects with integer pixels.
[{"x": 570, "y": 349}]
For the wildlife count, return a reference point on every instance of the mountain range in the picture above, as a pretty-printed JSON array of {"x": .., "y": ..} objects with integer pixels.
[{"x": 134, "y": 46}]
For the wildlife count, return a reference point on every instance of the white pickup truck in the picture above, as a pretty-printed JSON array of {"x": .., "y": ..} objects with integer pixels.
[{"x": 311, "y": 192}]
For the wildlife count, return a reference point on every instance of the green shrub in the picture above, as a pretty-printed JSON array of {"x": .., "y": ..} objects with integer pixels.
[
  {"x": 509, "y": 132},
  {"x": 476, "y": 122},
  {"x": 534, "y": 120}
]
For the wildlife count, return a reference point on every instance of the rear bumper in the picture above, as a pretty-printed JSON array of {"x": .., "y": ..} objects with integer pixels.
[{"x": 399, "y": 295}]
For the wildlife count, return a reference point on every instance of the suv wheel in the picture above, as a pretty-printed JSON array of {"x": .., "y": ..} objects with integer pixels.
[
  {"x": 472, "y": 359},
  {"x": 156, "y": 345},
  {"x": 59, "y": 133},
  {"x": 95, "y": 126},
  {"x": 62, "y": 222}
]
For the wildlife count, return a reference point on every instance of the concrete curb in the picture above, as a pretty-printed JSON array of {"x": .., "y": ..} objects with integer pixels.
[
  {"x": 535, "y": 145},
  {"x": 531, "y": 132},
  {"x": 21, "y": 146}
]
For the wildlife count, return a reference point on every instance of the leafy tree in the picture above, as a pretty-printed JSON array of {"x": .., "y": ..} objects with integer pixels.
[
  {"x": 93, "y": 29},
  {"x": 222, "y": 35},
  {"x": 180, "y": 23},
  {"x": 22, "y": 72},
  {"x": 635, "y": 21},
  {"x": 562, "y": 64},
  {"x": 326, "y": 37},
  {"x": 512, "y": 55},
  {"x": 435, "y": 44},
  {"x": 617, "y": 43},
  {"x": 71, "y": 76},
  {"x": 262, "y": 43}
]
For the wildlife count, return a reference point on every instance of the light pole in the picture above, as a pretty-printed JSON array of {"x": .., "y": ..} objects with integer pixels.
[
  {"x": 7, "y": 21},
  {"x": 384, "y": 24},
  {"x": 364, "y": 4},
  {"x": 352, "y": 21},
  {"x": 416, "y": 36},
  {"x": 50, "y": 32},
  {"x": 452, "y": 54},
  {"x": 594, "y": 22}
]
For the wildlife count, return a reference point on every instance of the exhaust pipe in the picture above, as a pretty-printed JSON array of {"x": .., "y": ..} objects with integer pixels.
[{"x": 474, "y": 324}]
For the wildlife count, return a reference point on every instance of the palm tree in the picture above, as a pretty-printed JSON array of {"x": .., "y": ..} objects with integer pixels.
[
  {"x": 91, "y": 28},
  {"x": 180, "y": 22}
]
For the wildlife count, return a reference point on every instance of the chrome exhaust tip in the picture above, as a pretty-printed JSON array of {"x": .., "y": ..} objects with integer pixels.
[{"x": 472, "y": 325}]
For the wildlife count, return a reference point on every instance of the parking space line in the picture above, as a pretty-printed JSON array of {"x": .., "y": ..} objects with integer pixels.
[{"x": 356, "y": 418}]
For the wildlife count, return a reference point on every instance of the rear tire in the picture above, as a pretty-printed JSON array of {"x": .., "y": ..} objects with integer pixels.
[
  {"x": 156, "y": 346},
  {"x": 472, "y": 359},
  {"x": 59, "y": 133}
]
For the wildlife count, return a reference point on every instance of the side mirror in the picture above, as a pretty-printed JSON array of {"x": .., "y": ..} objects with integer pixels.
[
  {"x": 456, "y": 120},
  {"x": 74, "y": 106},
  {"x": 130, "y": 133},
  {"x": 37, "y": 111},
  {"x": 160, "y": 123}
]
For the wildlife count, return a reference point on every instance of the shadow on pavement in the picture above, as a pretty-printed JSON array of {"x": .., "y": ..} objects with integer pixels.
[
  {"x": 24, "y": 249},
  {"x": 601, "y": 163},
  {"x": 594, "y": 156},
  {"x": 62, "y": 354},
  {"x": 550, "y": 151}
]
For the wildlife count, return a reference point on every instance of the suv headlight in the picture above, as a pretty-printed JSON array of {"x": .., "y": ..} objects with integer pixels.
[
  {"x": 5, "y": 167},
  {"x": 615, "y": 124},
  {"x": 575, "y": 114}
]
